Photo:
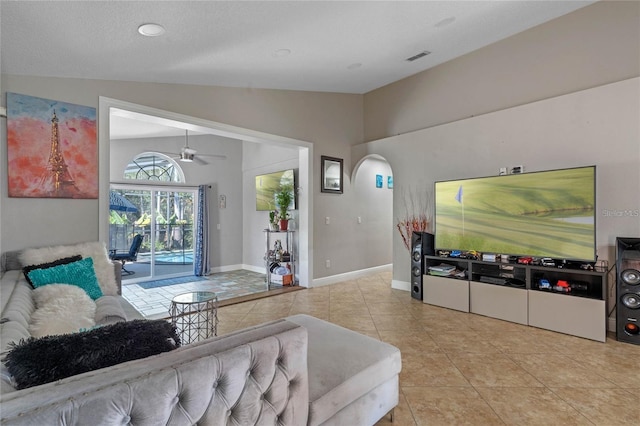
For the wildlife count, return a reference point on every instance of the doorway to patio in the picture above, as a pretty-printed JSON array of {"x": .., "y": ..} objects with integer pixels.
[{"x": 164, "y": 217}]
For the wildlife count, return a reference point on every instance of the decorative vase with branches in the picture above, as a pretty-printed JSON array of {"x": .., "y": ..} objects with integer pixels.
[{"x": 418, "y": 215}]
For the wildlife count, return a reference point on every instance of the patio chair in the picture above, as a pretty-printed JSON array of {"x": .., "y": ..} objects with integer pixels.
[{"x": 129, "y": 256}]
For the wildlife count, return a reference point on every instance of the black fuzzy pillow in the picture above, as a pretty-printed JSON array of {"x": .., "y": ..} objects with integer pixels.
[
  {"x": 35, "y": 361},
  {"x": 63, "y": 261}
]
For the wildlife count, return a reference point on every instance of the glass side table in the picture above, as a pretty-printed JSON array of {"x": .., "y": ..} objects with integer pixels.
[{"x": 195, "y": 315}]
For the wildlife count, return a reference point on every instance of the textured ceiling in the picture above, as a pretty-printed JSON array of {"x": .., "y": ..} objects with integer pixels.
[{"x": 335, "y": 46}]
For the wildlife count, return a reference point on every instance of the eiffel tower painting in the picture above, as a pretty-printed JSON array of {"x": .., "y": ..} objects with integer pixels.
[
  {"x": 52, "y": 149},
  {"x": 57, "y": 180}
]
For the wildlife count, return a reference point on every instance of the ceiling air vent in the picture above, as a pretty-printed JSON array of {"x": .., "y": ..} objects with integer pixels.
[{"x": 418, "y": 56}]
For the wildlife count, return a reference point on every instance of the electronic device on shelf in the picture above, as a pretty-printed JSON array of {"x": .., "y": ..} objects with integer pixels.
[
  {"x": 494, "y": 280},
  {"x": 488, "y": 257}
]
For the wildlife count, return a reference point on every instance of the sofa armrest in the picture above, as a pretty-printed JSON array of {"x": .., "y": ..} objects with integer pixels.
[{"x": 117, "y": 269}]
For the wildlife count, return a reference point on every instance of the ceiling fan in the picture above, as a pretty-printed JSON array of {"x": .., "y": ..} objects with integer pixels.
[{"x": 190, "y": 155}]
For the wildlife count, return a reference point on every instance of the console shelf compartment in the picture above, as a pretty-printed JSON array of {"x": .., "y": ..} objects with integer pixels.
[
  {"x": 446, "y": 292},
  {"x": 501, "y": 302},
  {"x": 577, "y": 316}
]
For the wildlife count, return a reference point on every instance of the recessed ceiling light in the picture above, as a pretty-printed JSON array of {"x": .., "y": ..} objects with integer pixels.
[
  {"x": 151, "y": 30},
  {"x": 281, "y": 52},
  {"x": 354, "y": 66},
  {"x": 445, "y": 22}
]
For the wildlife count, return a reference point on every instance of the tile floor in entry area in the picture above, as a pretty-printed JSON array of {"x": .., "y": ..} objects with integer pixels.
[
  {"x": 460, "y": 368},
  {"x": 155, "y": 302}
]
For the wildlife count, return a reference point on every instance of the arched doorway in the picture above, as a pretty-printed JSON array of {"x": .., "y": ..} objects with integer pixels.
[{"x": 372, "y": 182}]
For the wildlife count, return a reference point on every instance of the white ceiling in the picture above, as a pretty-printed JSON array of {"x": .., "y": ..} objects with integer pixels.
[{"x": 335, "y": 46}]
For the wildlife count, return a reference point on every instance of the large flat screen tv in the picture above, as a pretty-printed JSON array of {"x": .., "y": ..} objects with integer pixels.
[
  {"x": 268, "y": 184},
  {"x": 541, "y": 214}
]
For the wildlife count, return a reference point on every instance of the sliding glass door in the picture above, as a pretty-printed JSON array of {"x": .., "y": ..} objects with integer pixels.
[{"x": 164, "y": 217}]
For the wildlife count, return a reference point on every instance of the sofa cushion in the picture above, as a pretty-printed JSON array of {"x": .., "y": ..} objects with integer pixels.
[
  {"x": 94, "y": 249},
  {"x": 47, "y": 265},
  {"x": 38, "y": 361},
  {"x": 79, "y": 273},
  {"x": 343, "y": 366},
  {"x": 109, "y": 310},
  {"x": 61, "y": 309}
]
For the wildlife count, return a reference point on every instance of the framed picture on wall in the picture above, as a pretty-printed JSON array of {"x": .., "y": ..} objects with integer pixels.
[
  {"x": 378, "y": 181},
  {"x": 331, "y": 174},
  {"x": 52, "y": 148}
]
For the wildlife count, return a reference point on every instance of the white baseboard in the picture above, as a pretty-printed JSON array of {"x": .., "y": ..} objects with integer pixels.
[
  {"x": 228, "y": 268},
  {"x": 253, "y": 268},
  {"x": 333, "y": 279},
  {"x": 401, "y": 285}
]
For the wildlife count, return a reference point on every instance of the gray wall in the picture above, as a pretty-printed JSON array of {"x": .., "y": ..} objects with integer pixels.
[
  {"x": 595, "y": 126},
  {"x": 592, "y": 46}
]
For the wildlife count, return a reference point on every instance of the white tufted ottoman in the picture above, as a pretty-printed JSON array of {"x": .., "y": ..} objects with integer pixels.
[{"x": 353, "y": 378}]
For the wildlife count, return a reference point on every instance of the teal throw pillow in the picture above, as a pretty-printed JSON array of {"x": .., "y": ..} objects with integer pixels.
[{"x": 80, "y": 273}]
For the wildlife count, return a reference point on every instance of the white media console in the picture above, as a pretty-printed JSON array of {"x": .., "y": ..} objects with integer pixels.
[{"x": 518, "y": 293}]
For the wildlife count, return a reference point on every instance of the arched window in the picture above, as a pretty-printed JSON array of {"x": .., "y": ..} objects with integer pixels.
[{"x": 155, "y": 167}]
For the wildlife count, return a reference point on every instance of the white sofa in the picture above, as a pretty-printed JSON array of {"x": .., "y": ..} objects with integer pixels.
[{"x": 295, "y": 371}]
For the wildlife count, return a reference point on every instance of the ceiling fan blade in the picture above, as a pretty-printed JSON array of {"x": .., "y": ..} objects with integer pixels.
[
  {"x": 200, "y": 161},
  {"x": 170, "y": 154},
  {"x": 216, "y": 156}
]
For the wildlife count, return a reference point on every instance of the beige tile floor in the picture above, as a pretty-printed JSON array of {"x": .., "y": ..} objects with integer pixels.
[{"x": 466, "y": 369}]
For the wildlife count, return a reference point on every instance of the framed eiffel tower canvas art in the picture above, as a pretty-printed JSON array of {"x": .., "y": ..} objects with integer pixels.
[{"x": 52, "y": 148}]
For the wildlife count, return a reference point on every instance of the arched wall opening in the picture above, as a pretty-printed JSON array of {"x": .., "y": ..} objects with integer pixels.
[{"x": 372, "y": 182}]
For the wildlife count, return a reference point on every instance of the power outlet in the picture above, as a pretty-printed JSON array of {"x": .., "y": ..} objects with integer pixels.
[
  {"x": 327, "y": 263},
  {"x": 515, "y": 170},
  {"x": 327, "y": 220},
  {"x": 503, "y": 171}
]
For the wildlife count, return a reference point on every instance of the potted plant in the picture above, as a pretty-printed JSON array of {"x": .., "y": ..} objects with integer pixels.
[
  {"x": 284, "y": 197},
  {"x": 273, "y": 220}
]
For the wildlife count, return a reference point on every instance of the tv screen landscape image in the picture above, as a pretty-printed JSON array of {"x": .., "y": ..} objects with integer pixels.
[
  {"x": 540, "y": 214},
  {"x": 268, "y": 184}
]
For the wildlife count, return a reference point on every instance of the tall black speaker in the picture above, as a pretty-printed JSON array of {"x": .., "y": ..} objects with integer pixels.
[
  {"x": 628, "y": 290},
  {"x": 421, "y": 246}
]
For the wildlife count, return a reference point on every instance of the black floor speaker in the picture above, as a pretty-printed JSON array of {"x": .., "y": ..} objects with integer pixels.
[
  {"x": 421, "y": 246},
  {"x": 628, "y": 290}
]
